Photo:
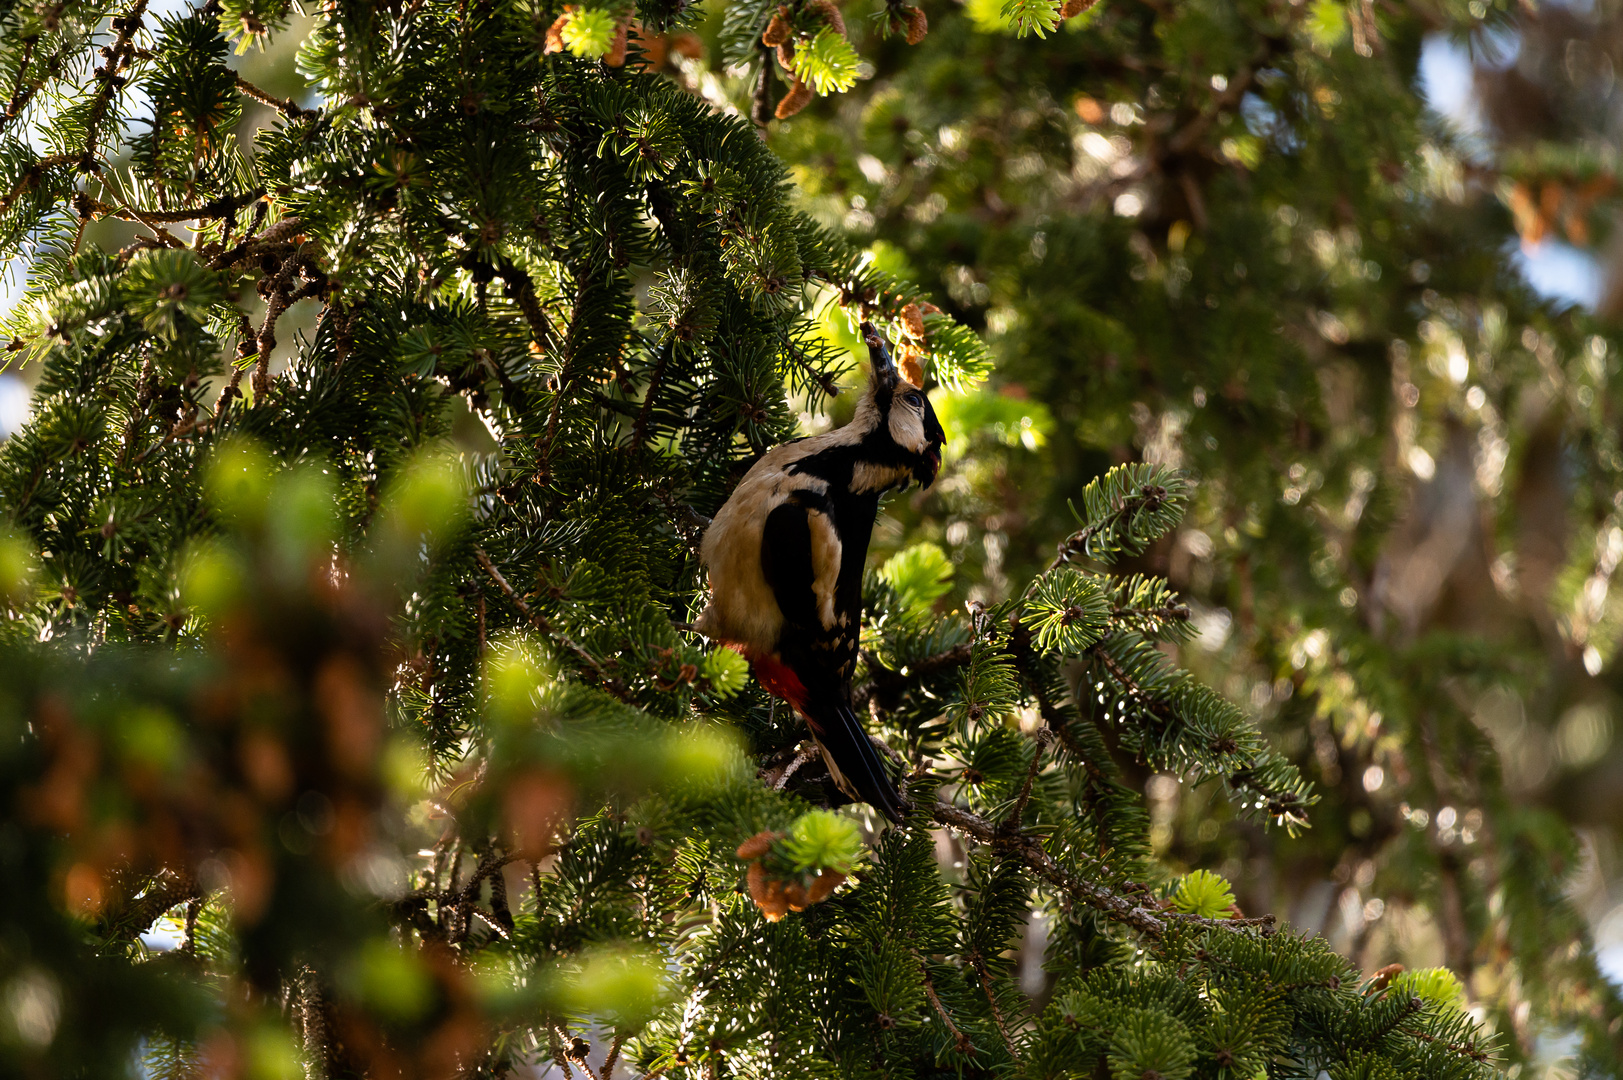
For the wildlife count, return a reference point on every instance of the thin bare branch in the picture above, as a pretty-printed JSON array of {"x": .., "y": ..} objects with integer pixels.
[{"x": 288, "y": 108}]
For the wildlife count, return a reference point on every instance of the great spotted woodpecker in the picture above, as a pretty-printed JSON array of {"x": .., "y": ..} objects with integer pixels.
[{"x": 786, "y": 555}]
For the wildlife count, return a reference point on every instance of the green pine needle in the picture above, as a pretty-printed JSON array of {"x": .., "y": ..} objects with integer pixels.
[
  {"x": 827, "y": 62},
  {"x": 1204, "y": 893}
]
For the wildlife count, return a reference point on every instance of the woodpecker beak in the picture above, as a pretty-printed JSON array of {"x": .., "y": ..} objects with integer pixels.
[
  {"x": 927, "y": 471},
  {"x": 884, "y": 368}
]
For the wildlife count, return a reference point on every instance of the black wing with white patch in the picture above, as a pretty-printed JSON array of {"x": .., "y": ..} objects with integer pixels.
[
  {"x": 789, "y": 563},
  {"x": 817, "y": 581}
]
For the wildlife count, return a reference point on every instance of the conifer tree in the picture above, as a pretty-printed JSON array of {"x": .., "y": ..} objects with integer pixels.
[
  {"x": 1227, "y": 237},
  {"x": 413, "y": 749}
]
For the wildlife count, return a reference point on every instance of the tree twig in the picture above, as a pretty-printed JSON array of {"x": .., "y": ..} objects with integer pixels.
[
  {"x": 1150, "y": 922},
  {"x": 960, "y": 1040},
  {"x": 1042, "y": 737},
  {"x": 991, "y": 999},
  {"x": 276, "y": 301},
  {"x": 1150, "y": 498},
  {"x": 119, "y": 54},
  {"x": 288, "y": 108},
  {"x": 279, "y": 233},
  {"x": 543, "y": 624},
  {"x": 224, "y": 206}
]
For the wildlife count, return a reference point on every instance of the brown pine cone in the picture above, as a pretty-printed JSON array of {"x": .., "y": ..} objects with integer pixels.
[
  {"x": 913, "y": 321},
  {"x": 616, "y": 56},
  {"x": 778, "y": 30},
  {"x": 555, "y": 32},
  {"x": 825, "y": 10},
  {"x": 798, "y": 97},
  {"x": 917, "y": 25}
]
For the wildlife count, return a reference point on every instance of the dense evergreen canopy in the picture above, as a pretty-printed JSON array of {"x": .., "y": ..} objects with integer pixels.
[{"x": 354, "y": 663}]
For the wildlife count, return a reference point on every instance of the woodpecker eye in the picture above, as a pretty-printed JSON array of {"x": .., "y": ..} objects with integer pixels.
[{"x": 914, "y": 398}]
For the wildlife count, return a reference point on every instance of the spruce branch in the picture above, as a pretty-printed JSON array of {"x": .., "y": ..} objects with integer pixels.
[
  {"x": 639, "y": 429},
  {"x": 245, "y": 334},
  {"x": 277, "y": 300},
  {"x": 31, "y": 178},
  {"x": 961, "y": 1042},
  {"x": 110, "y": 75},
  {"x": 522, "y": 289},
  {"x": 1469, "y": 1050},
  {"x": 1151, "y": 922},
  {"x": 1113, "y": 905},
  {"x": 132, "y": 909},
  {"x": 275, "y": 236},
  {"x": 1041, "y": 737},
  {"x": 221, "y": 207},
  {"x": 17, "y": 98},
  {"x": 613, "y": 1055},
  {"x": 1284, "y": 804},
  {"x": 288, "y": 108},
  {"x": 1025, "y": 660},
  {"x": 690, "y": 524},
  {"x": 823, "y": 380},
  {"x": 885, "y": 686},
  {"x": 1123, "y": 511},
  {"x": 163, "y": 236},
  {"x": 145, "y": 383},
  {"x": 543, "y": 624},
  {"x": 24, "y": 90},
  {"x": 985, "y": 979}
]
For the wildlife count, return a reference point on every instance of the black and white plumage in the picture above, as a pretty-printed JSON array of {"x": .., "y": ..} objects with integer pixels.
[{"x": 786, "y": 556}]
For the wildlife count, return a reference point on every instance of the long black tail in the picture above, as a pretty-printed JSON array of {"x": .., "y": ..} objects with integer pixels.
[{"x": 857, "y": 767}]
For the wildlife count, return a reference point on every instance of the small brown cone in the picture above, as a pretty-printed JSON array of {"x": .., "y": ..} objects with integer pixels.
[
  {"x": 757, "y": 845},
  {"x": 767, "y": 894},
  {"x": 555, "y": 32},
  {"x": 794, "y": 894},
  {"x": 1072, "y": 8},
  {"x": 825, "y": 10},
  {"x": 1383, "y": 978},
  {"x": 760, "y": 887},
  {"x": 917, "y": 25},
  {"x": 777, "y": 31},
  {"x": 913, "y": 321},
  {"x": 928, "y": 308},
  {"x": 908, "y": 361},
  {"x": 822, "y": 886},
  {"x": 616, "y": 56},
  {"x": 786, "y": 56},
  {"x": 798, "y": 97},
  {"x": 655, "y": 47}
]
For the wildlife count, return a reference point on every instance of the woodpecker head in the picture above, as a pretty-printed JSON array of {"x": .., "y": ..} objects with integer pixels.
[{"x": 903, "y": 412}]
